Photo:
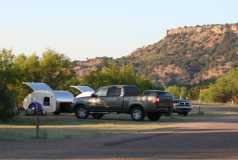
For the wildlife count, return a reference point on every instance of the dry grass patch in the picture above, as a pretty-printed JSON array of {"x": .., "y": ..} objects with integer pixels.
[{"x": 81, "y": 129}]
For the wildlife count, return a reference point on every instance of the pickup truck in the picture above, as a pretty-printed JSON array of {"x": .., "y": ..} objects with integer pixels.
[{"x": 122, "y": 99}]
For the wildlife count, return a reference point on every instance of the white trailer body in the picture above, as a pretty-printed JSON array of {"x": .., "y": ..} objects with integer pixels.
[
  {"x": 45, "y": 98},
  {"x": 64, "y": 100},
  {"x": 51, "y": 100}
]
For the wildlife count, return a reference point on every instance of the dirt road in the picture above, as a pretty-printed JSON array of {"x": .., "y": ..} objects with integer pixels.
[
  {"x": 200, "y": 138},
  {"x": 187, "y": 140}
]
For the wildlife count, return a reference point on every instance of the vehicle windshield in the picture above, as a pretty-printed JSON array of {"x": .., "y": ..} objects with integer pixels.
[{"x": 101, "y": 92}]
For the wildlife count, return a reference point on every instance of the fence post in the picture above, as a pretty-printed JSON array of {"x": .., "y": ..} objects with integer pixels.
[
  {"x": 37, "y": 110},
  {"x": 199, "y": 101},
  {"x": 37, "y": 125}
]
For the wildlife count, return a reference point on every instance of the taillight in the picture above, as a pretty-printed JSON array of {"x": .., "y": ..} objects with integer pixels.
[{"x": 157, "y": 100}]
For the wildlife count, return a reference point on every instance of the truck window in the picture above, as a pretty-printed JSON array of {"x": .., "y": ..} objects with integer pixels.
[
  {"x": 46, "y": 101},
  {"x": 131, "y": 91},
  {"x": 114, "y": 92},
  {"x": 102, "y": 92}
]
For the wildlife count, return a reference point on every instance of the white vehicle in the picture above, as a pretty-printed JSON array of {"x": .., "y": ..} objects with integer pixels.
[
  {"x": 85, "y": 91},
  {"x": 52, "y": 101}
]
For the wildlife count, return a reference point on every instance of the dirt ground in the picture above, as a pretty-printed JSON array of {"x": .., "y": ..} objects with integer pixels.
[{"x": 199, "y": 137}]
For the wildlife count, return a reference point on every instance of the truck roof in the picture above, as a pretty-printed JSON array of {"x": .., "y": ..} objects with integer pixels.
[{"x": 121, "y": 86}]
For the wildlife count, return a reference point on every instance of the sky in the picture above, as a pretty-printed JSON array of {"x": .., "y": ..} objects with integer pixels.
[{"x": 93, "y": 28}]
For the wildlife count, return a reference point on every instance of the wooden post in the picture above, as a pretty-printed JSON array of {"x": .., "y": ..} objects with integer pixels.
[
  {"x": 199, "y": 101},
  {"x": 37, "y": 119},
  {"x": 37, "y": 124}
]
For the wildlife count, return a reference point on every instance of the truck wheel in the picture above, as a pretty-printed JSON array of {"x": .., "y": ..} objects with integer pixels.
[
  {"x": 185, "y": 113},
  {"x": 97, "y": 115},
  {"x": 137, "y": 114},
  {"x": 81, "y": 112},
  {"x": 153, "y": 116}
]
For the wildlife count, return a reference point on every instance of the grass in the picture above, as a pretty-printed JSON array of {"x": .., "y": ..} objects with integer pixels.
[
  {"x": 68, "y": 127},
  {"x": 50, "y": 133}
]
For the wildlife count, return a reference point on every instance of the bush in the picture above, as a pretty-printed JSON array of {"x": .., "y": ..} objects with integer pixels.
[
  {"x": 179, "y": 92},
  {"x": 7, "y": 104},
  {"x": 113, "y": 75},
  {"x": 225, "y": 89}
]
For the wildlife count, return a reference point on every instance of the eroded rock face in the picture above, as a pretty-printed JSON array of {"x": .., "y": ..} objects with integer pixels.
[
  {"x": 169, "y": 73},
  {"x": 217, "y": 71},
  {"x": 216, "y": 28},
  {"x": 83, "y": 68},
  {"x": 186, "y": 55}
]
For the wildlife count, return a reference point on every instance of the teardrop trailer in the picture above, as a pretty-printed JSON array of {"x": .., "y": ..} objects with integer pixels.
[{"x": 52, "y": 101}]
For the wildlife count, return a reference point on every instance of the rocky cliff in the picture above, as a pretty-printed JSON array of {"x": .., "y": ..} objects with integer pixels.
[{"x": 186, "y": 55}]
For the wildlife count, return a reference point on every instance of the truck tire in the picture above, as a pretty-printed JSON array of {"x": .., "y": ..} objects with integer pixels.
[
  {"x": 81, "y": 112},
  {"x": 97, "y": 115},
  {"x": 137, "y": 113},
  {"x": 185, "y": 113},
  {"x": 153, "y": 116}
]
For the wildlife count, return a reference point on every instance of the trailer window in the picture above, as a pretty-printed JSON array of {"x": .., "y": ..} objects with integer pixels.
[{"x": 46, "y": 101}]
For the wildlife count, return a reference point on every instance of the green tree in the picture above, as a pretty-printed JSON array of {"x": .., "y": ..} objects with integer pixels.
[
  {"x": 52, "y": 68},
  {"x": 225, "y": 89},
  {"x": 8, "y": 80},
  {"x": 113, "y": 74},
  {"x": 174, "y": 90},
  {"x": 29, "y": 67},
  {"x": 179, "y": 92},
  {"x": 57, "y": 70}
]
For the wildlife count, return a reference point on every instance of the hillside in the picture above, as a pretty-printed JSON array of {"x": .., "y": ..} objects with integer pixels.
[{"x": 186, "y": 55}]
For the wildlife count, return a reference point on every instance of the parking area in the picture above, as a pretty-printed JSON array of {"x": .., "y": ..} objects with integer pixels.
[{"x": 212, "y": 135}]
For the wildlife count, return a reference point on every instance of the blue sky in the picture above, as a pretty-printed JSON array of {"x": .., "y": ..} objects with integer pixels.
[{"x": 92, "y": 28}]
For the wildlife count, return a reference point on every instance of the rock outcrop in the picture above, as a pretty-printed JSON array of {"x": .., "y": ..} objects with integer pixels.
[{"x": 186, "y": 55}]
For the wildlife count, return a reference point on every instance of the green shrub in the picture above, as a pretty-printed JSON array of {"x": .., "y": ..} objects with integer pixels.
[
  {"x": 7, "y": 104},
  {"x": 225, "y": 89},
  {"x": 113, "y": 75}
]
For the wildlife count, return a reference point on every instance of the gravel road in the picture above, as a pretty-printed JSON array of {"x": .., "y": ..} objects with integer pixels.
[{"x": 210, "y": 138}]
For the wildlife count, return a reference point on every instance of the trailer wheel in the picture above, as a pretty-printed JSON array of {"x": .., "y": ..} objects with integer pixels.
[
  {"x": 81, "y": 112},
  {"x": 185, "y": 114}
]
